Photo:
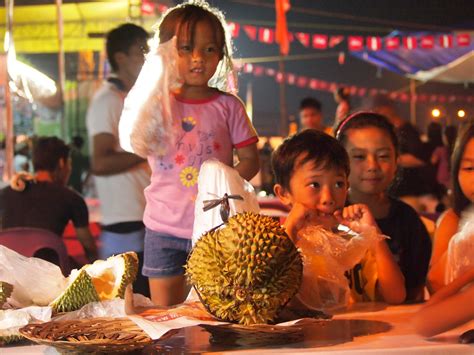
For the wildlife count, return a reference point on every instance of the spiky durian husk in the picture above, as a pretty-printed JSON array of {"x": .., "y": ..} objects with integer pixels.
[
  {"x": 125, "y": 268},
  {"x": 130, "y": 260},
  {"x": 5, "y": 291},
  {"x": 247, "y": 271},
  {"x": 80, "y": 292},
  {"x": 10, "y": 338}
]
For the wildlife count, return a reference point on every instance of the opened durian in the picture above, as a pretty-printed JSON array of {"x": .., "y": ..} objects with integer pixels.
[
  {"x": 79, "y": 292},
  {"x": 5, "y": 291},
  {"x": 102, "y": 280},
  {"x": 247, "y": 271}
]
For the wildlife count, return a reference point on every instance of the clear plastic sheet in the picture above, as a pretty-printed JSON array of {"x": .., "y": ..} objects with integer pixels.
[
  {"x": 215, "y": 179},
  {"x": 326, "y": 257},
  {"x": 35, "y": 281},
  {"x": 460, "y": 255}
]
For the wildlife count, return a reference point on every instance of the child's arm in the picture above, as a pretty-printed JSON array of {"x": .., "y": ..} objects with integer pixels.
[
  {"x": 449, "y": 308},
  {"x": 447, "y": 227},
  {"x": 391, "y": 283},
  {"x": 249, "y": 163}
]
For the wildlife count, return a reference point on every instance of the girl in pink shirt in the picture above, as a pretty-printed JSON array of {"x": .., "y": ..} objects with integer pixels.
[{"x": 205, "y": 123}]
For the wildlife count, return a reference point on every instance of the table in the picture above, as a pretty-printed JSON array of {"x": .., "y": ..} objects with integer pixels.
[{"x": 390, "y": 328}]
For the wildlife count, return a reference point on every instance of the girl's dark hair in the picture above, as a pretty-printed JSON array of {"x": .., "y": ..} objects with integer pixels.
[
  {"x": 460, "y": 201},
  {"x": 363, "y": 119},
  {"x": 312, "y": 146},
  {"x": 183, "y": 19},
  {"x": 47, "y": 151}
]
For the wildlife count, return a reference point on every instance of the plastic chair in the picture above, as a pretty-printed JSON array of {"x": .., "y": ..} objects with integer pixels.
[{"x": 38, "y": 243}]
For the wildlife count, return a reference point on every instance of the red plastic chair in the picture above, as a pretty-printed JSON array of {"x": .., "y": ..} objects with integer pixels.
[{"x": 38, "y": 243}]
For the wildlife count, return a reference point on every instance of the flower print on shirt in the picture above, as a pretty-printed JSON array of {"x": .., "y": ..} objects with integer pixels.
[
  {"x": 189, "y": 176},
  {"x": 188, "y": 123},
  {"x": 179, "y": 159}
]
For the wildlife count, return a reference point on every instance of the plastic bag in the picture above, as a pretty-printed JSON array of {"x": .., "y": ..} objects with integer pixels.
[
  {"x": 326, "y": 257},
  {"x": 35, "y": 281},
  {"x": 146, "y": 125},
  {"x": 216, "y": 179},
  {"x": 460, "y": 255}
]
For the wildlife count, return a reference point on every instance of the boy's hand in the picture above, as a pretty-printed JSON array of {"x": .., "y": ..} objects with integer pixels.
[
  {"x": 357, "y": 217},
  {"x": 298, "y": 217}
]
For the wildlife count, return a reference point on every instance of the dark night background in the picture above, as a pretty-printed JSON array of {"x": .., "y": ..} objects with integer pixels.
[{"x": 345, "y": 17}]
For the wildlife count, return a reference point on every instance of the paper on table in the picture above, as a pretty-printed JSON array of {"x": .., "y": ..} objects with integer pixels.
[{"x": 157, "y": 322}]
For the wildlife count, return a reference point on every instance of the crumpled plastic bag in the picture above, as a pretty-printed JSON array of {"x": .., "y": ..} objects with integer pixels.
[
  {"x": 114, "y": 308},
  {"x": 146, "y": 125},
  {"x": 35, "y": 281},
  {"x": 326, "y": 257},
  {"x": 11, "y": 320},
  {"x": 460, "y": 254},
  {"x": 215, "y": 179}
]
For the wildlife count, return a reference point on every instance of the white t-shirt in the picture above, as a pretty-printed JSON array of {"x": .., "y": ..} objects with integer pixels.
[{"x": 121, "y": 195}]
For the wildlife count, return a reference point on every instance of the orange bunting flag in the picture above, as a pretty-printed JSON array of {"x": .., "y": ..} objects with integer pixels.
[{"x": 281, "y": 32}]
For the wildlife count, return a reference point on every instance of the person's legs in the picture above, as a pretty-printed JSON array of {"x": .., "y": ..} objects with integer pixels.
[
  {"x": 168, "y": 291},
  {"x": 117, "y": 243},
  {"x": 165, "y": 257}
]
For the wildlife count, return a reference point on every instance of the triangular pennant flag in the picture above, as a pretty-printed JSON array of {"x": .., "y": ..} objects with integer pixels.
[
  {"x": 392, "y": 43},
  {"x": 302, "y": 81},
  {"x": 463, "y": 39},
  {"x": 446, "y": 41},
  {"x": 320, "y": 41},
  {"x": 291, "y": 79},
  {"x": 409, "y": 42},
  {"x": 266, "y": 35},
  {"x": 303, "y": 38},
  {"x": 335, "y": 40},
  {"x": 251, "y": 32},
  {"x": 374, "y": 43},
  {"x": 355, "y": 43},
  {"x": 234, "y": 29},
  {"x": 427, "y": 42}
]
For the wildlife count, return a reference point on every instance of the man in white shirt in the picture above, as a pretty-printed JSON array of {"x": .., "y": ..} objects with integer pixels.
[{"x": 120, "y": 176}]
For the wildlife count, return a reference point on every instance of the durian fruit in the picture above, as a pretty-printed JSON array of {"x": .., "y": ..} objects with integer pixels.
[
  {"x": 79, "y": 292},
  {"x": 247, "y": 271},
  {"x": 99, "y": 281},
  {"x": 9, "y": 336},
  {"x": 5, "y": 291},
  {"x": 110, "y": 277}
]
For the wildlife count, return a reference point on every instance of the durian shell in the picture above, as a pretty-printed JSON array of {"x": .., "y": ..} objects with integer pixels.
[
  {"x": 79, "y": 293},
  {"x": 247, "y": 271}
]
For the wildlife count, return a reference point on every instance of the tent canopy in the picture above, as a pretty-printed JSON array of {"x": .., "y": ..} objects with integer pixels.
[
  {"x": 85, "y": 23},
  {"x": 453, "y": 65}
]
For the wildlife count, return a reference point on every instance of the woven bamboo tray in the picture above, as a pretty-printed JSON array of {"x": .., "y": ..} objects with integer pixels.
[{"x": 89, "y": 335}]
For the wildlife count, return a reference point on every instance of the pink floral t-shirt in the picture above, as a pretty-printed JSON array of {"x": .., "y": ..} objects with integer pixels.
[{"x": 208, "y": 129}]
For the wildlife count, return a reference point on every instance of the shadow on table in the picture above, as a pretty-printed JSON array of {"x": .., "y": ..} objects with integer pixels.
[{"x": 308, "y": 333}]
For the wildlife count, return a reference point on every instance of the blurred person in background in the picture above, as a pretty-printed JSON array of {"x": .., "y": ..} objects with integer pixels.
[
  {"x": 311, "y": 115},
  {"x": 42, "y": 200},
  {"x": 414, "y": 177},
  {"x": 342, "y": 98},
  {"x": 80, "y": 164},
  {"x": 120, "y": 177}
]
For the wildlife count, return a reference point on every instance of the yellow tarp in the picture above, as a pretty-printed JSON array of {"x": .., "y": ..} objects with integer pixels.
[{"x": 35, "y": 28}]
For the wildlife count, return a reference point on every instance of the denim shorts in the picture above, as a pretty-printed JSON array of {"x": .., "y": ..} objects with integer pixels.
[
  {"x": 165, "y": 255},
  {"x": 115, "y": 243}
]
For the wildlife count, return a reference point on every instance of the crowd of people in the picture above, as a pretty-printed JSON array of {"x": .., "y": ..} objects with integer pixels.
[{"x": 370, "y": 168}]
